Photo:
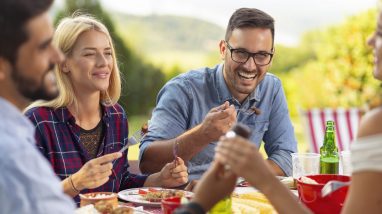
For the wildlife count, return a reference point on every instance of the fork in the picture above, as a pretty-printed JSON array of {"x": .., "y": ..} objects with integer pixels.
[
  {"x": 175, "y": 150},
  {"x": 332, "y": 186},
  {"x": 135, "y": 138}
]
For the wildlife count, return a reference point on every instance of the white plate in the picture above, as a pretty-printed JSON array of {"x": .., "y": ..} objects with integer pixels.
[
  {"x": 243, "y": 190},
  {"x": 132, "y": 195}
]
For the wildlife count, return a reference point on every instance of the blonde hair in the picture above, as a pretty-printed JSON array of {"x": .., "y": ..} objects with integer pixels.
[{"x": 65, "y": 36}]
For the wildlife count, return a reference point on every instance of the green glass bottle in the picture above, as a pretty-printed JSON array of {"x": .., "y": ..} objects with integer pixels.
[{"x": 329, "y": 160}]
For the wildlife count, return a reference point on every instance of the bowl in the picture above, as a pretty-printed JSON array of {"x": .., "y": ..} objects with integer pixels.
[
  {"x": 170, "y": 204},
  {"x": 310, "y": 194},
  {"x": 106, "y": 198}
]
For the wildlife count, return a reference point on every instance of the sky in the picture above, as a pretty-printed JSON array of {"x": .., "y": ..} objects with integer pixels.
[{"x": 292, "y": 17}]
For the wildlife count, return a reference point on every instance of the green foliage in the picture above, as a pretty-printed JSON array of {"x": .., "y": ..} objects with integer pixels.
[
  {"x": 141, "y": 81},
  {"x": 339, "y": 69},
  {"x": 172, "y": 42},
  {"x": 287, "y": 58},
  {"x": 156, "y": 33},
  {"x": 135, "y": 123}
]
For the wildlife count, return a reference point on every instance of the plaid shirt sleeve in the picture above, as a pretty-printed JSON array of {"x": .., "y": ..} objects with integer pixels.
[
  {"x": 57, "y": 137},
  {"x": 130, "y": 180}
]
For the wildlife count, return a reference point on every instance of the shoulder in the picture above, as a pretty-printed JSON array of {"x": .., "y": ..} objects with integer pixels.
[
  {"x": 194, "y": 76},
  {"x": 371, "y": 123},
  {"x": 189, "y": 82},
  {"x": 115, "y": 110},
  {"x": 272, "y": 79},
  {"x": 39, "y": 113},
  {"x": 270, "y": 84},
  {"x": 12, "y": 147}
]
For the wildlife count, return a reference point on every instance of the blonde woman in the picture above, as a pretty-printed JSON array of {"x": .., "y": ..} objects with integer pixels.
[{"x": 81, "y": 131}]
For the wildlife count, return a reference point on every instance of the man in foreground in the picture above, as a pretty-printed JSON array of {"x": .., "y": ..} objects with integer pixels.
[{"x": 27, "y": 183}]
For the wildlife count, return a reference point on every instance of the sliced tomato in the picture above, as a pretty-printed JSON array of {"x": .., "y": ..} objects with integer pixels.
[
  {"x": 142, "y": 192},
  {"x": 153, "y": 190}
]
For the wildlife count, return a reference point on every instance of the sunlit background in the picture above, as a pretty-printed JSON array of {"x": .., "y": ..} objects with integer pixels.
[{"x": 321, "y": 53}]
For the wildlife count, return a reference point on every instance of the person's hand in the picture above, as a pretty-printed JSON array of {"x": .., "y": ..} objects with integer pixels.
[
  {"x": 174, "y": 174},
  {"x": 190, "y": 186},
  {"x": 243, "y": 159},
  {"x": 95, "y": 172},
  {"x": 215, "y": 184},
  {"x": 218, "y": 121}
]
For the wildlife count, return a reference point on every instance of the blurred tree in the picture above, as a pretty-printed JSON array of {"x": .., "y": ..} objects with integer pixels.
[
  {"x": 287, "y": 58},
  {"x": 340, "y": 74},
  {"x": 140, "y": 81}
]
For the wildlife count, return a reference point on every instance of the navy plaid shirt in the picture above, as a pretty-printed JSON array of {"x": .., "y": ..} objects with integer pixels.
[{"x": 58, "y": 138}]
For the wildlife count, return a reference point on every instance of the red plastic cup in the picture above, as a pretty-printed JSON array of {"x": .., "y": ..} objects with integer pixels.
[
  {"x": 310, "y": 194},
  {"x": 170, "y": 204}
]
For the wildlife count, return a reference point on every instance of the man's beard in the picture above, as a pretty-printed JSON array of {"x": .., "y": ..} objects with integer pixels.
[{"x": 28, "y": 88}]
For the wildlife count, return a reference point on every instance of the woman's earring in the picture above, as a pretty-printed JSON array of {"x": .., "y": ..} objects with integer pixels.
[
  {"x": 107, "y": 102},
  {"x": 64, "y": 68}
]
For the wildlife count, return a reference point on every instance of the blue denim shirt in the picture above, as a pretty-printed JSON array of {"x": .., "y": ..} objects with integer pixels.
[
  {"x": 27, "y": 181},
  {"x": 186, "y": 99}
]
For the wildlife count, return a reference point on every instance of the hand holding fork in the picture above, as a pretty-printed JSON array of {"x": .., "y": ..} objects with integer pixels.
[
  {"x": 136, "y": 137},
  {"x": 175, "y": 150}
]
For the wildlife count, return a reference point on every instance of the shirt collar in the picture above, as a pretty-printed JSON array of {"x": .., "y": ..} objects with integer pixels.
[
  {"x": 223, "y": 92},
  {"x": 64, "y": 115},
  {"x": 221, "y": 87}
]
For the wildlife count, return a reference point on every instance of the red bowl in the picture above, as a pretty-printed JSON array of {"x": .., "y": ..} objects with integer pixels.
[
  {"x": 170, "y": 204},
  {"x": 310, "y": 194}
]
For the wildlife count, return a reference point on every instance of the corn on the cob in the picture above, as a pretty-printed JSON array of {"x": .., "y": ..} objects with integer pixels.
[
  {"x": 238, "y": 208},
  {"x": 265, "y": 208}
]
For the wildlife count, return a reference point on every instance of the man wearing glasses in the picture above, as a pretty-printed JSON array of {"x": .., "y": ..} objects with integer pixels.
[{"x": 195, "y": 108}]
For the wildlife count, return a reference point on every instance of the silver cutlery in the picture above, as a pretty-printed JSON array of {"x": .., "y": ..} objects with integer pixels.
[
  {"x": 332, "y": 186},
  {"x": 134, "y": 139}
]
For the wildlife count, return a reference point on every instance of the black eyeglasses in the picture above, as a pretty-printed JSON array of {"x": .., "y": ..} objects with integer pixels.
[{"x": 241, "y": 56}]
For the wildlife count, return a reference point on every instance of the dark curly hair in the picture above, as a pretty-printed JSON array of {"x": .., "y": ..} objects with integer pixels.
[
  {"x": 250, "y": 18},
  {"x": 14, "y": 15}
]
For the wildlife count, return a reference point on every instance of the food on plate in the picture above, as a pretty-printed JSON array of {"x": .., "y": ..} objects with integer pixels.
[
  {"x": 308, "y": 180},
  {"x": 156, "y": 195},
  {"x": 256, "y": 196},
  {"x": 288, "y": 181},
  {"x": 264, "y": 208},
  {"x": 252, "y": 202},
  {"x": 123, "y": 210},
  {"x": 244, "y": 209},
  {"x": 99, "y": 195},
  {"x": 107, "y": 198},
  {"x": 88, "y": 209},
  {"x": 103, "y": 207},
  {"x": 99, "y": 208}
]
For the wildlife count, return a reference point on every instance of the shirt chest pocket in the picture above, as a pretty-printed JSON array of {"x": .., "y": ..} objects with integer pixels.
[{"x": 258, "y": 129}]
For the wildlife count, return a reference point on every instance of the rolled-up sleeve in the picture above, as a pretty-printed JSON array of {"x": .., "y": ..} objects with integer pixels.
[
  {"x": 283, "y": 159},
  {"x": 170, "y": 116}
]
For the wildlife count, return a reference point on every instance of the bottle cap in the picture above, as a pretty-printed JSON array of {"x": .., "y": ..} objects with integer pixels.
[{"x": 241, "y": 130}]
